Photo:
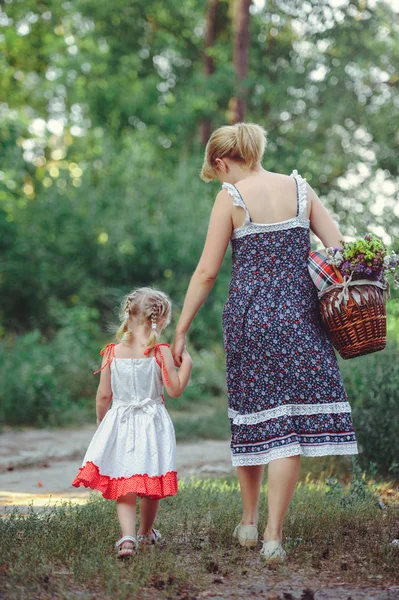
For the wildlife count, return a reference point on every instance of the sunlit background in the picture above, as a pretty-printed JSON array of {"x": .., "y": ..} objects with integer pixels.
[{"x": 104, "y": 112}]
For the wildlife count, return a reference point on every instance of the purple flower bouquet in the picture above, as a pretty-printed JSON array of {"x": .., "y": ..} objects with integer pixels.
[{"x": 365, "y": 259}]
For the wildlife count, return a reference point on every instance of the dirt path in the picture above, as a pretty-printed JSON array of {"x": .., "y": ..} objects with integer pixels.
[{"x": 37, "y": 466}]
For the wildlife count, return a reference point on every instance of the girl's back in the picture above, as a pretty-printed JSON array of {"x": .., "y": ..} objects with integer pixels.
[{"x": 135, "y": 379}]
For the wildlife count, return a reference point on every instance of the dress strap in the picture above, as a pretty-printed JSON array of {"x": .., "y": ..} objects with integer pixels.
[
  {"x": 109, "y": 352},
  {"x": 237, "y": 200},
  {"x": 301, "y": 194},
  {"x": 159, "y": 358}
]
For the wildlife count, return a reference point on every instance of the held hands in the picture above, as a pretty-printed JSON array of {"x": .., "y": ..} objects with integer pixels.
[{"x": 179, "y": 349}]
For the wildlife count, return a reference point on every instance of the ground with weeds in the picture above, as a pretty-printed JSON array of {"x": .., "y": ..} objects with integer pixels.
[{"x": 338, "y": 538}]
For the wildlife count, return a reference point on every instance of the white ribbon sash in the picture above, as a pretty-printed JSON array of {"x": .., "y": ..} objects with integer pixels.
[{"x": 147, "y": 405}]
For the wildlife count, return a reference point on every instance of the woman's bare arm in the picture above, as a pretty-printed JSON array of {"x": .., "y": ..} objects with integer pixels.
[
  {"x": 321, "y": 222},
  {"x": 219, "y": 232}
]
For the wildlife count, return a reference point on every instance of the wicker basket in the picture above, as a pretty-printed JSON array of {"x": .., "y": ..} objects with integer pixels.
[{"x": 354, "y": 315}]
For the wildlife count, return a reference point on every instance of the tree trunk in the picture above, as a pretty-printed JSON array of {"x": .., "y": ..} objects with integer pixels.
[
  {"x": 241, "y": 16},
  {"x": 209, "y": 63}
]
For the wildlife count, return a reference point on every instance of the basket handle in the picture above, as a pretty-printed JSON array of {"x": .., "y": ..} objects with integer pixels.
[{"x": 338, "y": 274}]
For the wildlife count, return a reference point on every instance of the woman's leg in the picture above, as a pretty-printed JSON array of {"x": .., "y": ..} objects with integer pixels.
[
  {"x": 126, "y": 510},
  {"x": 250, "y": 479},
  {"x": 282, "y": 478},
  {"x": 148, "y": 512}
]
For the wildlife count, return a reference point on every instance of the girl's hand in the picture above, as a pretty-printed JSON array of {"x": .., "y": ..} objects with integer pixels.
[{"x": 178, "y": 348}]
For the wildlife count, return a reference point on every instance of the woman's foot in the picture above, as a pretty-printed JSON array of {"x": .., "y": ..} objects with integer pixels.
[
  {"x": 247, "y": 535},
  {"x": 273, "y": 551}
]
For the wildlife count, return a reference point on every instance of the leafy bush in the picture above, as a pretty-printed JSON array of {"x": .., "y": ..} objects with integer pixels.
[
  {"x": 43, "y": 382},
  {"x": 372, "y": 384}
]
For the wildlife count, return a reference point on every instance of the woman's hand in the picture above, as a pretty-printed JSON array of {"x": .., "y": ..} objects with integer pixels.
[{"x": 179, "y": 344}]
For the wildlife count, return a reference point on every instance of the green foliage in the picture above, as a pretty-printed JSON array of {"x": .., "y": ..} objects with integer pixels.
[
  {"x": 210, "y": 425},
  {"x": 100, "y": 107},
  {"x": 45, "y": 382},
  {"x": 372, "y": 385},
  {"x": 369, "y": 246}
]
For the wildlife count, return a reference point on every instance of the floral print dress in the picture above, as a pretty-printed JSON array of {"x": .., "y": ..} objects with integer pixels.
[{"x": 285, "y": 391}]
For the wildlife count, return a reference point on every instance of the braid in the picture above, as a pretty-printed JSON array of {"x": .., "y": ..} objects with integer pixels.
[{"x": 147, "y": 305}]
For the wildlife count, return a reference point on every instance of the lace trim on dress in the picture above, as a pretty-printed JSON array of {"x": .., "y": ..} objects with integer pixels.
[
  {"x": 340, "y": 448},
  {"x": 237, "y": 200},
  {"x": 265, "y": 227},
  {"x": 302, "y": 194},
  {"x": 288, "y": 410}
]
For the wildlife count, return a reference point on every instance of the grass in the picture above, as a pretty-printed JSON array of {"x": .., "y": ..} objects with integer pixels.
[
  {"x": 67, "y": 551},
  {"x": 207, "y": 422}
]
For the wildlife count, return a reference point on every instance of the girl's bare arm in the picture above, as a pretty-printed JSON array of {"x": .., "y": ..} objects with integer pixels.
[
  {"x": 104, "y": 392},
  {"x": 177, "y": 379}
]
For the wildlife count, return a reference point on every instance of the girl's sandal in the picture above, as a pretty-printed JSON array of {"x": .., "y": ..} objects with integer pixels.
[
  {"x": 247, "y": 535},
  {"x": 124, "y": 552},
  {"x": 150, "y": 539},
  {"x": 273, "y": 551}
]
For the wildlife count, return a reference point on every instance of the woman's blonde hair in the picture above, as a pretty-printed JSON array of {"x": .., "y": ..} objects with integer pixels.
[
  {"x": 244, "y": 142},
  {"x": 145, "y": 305}
]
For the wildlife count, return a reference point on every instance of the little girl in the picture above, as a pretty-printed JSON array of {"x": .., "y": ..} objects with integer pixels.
[{"x": 133, "y": 451}]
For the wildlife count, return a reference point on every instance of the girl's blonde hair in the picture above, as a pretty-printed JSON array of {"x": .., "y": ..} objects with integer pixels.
[
  {"x": 244, "y": 142},
  {"x": 146, "y": 305}
]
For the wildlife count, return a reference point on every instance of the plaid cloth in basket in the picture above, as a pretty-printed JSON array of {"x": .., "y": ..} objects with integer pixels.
[{"x": 322, "y": 274}]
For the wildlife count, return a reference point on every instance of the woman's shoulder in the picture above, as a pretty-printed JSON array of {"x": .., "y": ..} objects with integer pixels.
[{"x": 268, "y": 175}]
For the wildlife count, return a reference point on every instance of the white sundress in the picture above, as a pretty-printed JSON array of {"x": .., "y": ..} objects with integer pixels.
[{"x": 134, "y": 447}]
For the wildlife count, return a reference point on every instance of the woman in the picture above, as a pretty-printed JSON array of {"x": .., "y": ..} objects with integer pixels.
[{"x": 285, "y": 391}]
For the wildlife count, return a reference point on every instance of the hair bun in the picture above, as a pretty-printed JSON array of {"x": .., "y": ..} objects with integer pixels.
[
  {"x": 243, "y": 142},
  {"x": 251, "y": 141}
]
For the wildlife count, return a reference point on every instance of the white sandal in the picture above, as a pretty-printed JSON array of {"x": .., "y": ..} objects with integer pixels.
[
  {"x": 150, "y": 539},
  {"x": 273, "y": 551},
  {"x": 247, "y": 535},
  {"x": 123, "y": 552}
]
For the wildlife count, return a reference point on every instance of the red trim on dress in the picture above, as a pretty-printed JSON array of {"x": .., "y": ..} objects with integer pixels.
[
  {"x": 112, "y": 488},
  {"x": 160, "y": 362},
  {"x": 109, "y": 352}
]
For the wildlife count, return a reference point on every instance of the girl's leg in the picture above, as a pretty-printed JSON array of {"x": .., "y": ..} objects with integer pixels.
[
  {"x": 250, "y": 479},
  {"x": 126, "y": 510},
  {"x": 282, "y": 478},
  {"x": 148, "y": 512}
]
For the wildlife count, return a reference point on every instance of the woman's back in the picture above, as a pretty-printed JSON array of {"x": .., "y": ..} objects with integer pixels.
[{"x": 269, "y": 197}]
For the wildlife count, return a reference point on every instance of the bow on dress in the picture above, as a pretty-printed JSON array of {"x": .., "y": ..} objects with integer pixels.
[{"x": 147, "y": 405}]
